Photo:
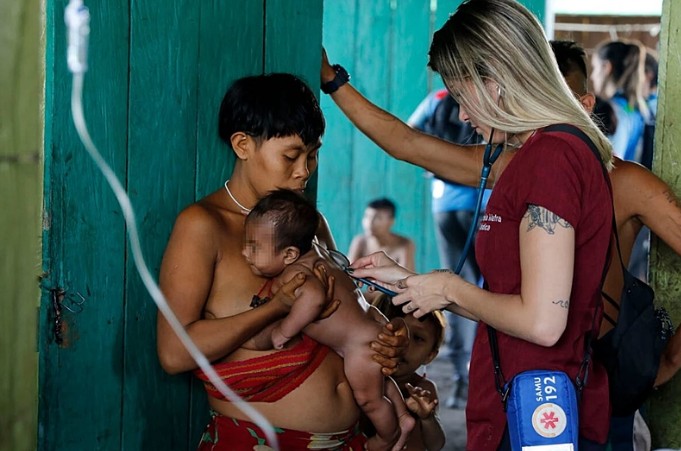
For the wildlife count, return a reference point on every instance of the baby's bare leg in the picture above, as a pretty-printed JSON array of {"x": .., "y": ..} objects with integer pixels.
[
  {"x": 404, "y": 418},
  {"x": 367, "y": 383}
]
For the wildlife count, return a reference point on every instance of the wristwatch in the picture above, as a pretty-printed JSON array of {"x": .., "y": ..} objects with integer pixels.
[{"x": 339, "y": 80}]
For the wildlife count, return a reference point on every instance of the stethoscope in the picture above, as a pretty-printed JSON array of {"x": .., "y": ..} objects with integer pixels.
[
  {"x": 339, "y": 260},
  {"x": 488, "y": 160}
]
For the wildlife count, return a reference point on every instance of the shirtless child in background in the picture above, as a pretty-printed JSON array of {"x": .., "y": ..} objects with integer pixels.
[
  {"x": 377, "y": 222},
  {"x": 278, "y": 244}
]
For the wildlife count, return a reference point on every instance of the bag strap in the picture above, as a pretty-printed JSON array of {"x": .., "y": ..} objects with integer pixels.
[
  {"x": 571, "y": 129},
  {"x": 581, "y": 379}
]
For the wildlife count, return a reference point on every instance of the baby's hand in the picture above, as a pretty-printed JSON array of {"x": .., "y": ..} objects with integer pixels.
[{"x": 421, "y": 402}]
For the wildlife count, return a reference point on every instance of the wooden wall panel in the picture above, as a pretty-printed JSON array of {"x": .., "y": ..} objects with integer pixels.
[
  {"x": 371, "y": 75},
  {"x": 164, "y": 53},
  {"x": 410, "y": 184},
  {"x": 383, "y": 44},
  {"x": 81, "y": 381},
  {"x": 537, "y": 7},
  {"x": 231, "y": 46},
  {"x": 335, "y": 198},
  {"x": 298, "y": 53},
  {"x": 21, "y": 81}
]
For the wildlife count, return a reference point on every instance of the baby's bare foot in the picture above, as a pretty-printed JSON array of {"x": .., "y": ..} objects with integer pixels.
[{"x": 407, "y": 423}]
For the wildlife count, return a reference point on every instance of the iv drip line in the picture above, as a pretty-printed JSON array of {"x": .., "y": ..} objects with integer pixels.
[{"x": 77, "y": 19}]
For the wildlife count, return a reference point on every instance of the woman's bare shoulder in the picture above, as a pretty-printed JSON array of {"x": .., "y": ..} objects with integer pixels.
[{"x": 206, "y": 216}]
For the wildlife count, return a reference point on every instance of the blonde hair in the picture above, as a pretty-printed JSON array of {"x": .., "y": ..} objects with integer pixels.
[{"x": 501, "y": 42}]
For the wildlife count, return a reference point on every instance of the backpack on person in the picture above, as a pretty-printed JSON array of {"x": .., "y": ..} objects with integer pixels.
[
  {"x": 445, "y": 123},
  {"x": 632, "y": 350}
]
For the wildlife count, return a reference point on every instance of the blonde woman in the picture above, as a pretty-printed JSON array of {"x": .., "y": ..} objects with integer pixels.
[{"x": 543, "y": 242}]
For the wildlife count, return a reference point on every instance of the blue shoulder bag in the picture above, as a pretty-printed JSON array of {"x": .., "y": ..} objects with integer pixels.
[{"x": 541, "y": 405}]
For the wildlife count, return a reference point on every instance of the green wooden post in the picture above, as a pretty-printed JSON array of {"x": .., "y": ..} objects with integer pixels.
[
  {"x": 665, "y": 407},
  {"x": 164, "y": 56},
  {"x": 408, "y": 86},
  {"x": 336, "y": 155},
  {"x": 21, "y": 79},
  {"x": 383, "y": 44}
]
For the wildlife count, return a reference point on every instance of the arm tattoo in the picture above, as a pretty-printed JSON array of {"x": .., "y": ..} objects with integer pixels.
[
  {"x": 562, "y": 302},
  {"x": 541, "y": 217},
  {"x": 671, "y": 197}
]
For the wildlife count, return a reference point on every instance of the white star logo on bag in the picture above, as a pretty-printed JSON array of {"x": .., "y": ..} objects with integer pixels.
[{"x": 549, "y": 420}]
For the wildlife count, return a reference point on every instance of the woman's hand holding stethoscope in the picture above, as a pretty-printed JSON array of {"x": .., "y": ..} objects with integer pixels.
[
  {"x": 417, "y": 294},
  {"x": 421, "y": 294}
]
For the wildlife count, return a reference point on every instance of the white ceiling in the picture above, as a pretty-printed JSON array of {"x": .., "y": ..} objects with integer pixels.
[{"x": 606, "y": 7}]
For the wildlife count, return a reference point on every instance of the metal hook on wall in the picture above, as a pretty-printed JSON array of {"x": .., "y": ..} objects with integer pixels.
[{"x": 74, "y": 303}]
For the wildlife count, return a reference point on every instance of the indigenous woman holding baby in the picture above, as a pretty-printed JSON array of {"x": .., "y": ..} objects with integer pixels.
[{"x": 274, "y": 126}]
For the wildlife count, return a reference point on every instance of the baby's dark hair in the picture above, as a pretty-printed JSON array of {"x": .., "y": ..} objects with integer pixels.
[
  {"x": 383, "y": 204},
  {"x": 384, "y": 304},
  {"x": 271, "y": 106},
  {"x": 295, "y": 219}
]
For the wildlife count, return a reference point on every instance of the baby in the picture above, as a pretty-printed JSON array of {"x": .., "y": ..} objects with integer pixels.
[{"x": 278, "y": 244}]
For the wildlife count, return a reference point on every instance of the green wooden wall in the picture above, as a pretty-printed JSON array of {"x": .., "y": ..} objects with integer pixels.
[
  {"x": 21, "y": 76},
  {"x": 384, "y": 45},
  {"x": 157, "y": 74},
  {"x": 664, "y": 411}
]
